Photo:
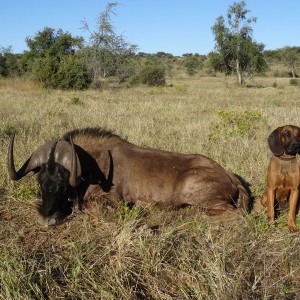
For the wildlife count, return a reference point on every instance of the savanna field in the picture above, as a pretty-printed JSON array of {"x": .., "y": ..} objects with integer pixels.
[{"x": 146, "y": 253}]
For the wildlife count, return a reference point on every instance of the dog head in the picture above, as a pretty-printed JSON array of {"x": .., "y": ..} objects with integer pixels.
[{"x": 285, "y": 140}]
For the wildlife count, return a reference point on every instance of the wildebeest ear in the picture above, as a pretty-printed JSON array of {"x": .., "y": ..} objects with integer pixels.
[{"x": 275, "y": 142}]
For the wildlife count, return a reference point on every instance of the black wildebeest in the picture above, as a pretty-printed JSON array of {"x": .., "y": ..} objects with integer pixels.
[{"x": 93, "y": 162}]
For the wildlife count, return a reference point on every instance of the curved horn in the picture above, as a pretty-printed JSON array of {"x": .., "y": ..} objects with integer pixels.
[
  {"x": 39, "y": 157},
  {"x": 65, "y": 155},
  {"x": 10, "y": 160},
  {"x": 73, "y": 173}
]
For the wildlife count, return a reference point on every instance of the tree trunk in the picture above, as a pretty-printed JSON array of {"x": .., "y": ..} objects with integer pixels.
[
  {"x": 293, "y": 71},
  {"x": 238, "y": 71}
]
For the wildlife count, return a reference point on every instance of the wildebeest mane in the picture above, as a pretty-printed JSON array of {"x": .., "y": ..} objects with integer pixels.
[
  {"x": 96, "y": 132},
  {"x": 86, "y": 141}
]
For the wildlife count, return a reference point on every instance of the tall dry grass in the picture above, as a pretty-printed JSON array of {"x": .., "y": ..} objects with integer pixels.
[{"x": 137, "y": 253}]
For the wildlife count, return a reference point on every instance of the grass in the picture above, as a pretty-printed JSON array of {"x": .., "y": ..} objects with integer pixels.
[{"x": 136, "y": 253}]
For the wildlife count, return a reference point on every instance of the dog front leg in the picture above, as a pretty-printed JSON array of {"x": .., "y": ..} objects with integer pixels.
[
  {"x": 292, "y": 210},
  {"x": 270, "y": 205}
]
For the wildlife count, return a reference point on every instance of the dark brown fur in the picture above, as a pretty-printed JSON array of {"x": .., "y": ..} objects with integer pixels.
[
  {"x": 116, "y": 169},
  {"x": 283, "y": 173},
  {"x": 95, "y": 163}
]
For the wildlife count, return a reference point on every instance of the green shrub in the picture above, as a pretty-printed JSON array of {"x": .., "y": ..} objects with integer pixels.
[
  {"x": 134, "y": 80},
  {"x": 152, "y": 75},
  {"x": 156, "y": 90},
  {"x": 126, "y": 213},
  {"x": 26, "y": 192},
  {"x": 237, "y": 123},
  {"x": 75, "y": 100},
  {"x": 72, "y": 74},
  {"x": 192, "y": 65},
  {"x": 6, "y": 131},
  {"x": 66, "y": 72},
  {"x": 181, "y": 88},
  {"x": 294, "y": 81},
  {"x": 43, "y": 70}
]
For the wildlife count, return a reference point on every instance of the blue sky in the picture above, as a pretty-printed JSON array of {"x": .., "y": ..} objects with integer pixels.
[{"x": 172, "y": 26}]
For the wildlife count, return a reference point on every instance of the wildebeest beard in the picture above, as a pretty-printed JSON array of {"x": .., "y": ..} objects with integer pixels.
[{"x": 56, "y": 191}]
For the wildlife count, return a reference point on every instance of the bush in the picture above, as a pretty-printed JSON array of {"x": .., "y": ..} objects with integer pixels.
[
  {"x": 237, "y": 123},
  {"x": 72, "y": 74},
  {"x": 6, "y": 131},
  {"x": 43, "y": 70},
  {"x": 294, "y": 81},
  {"x": 192, "y": 65},
  {"x": 66, "y": 72},
  {"x": 152, "y": 75}
]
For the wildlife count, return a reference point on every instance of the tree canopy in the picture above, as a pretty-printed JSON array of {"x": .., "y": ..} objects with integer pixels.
[
  {"x": 235, "y": 50},
  {"x": 107, "y": 52},
  {"x": 52, "y": 59},
  {"x": 291, "y": 58}
]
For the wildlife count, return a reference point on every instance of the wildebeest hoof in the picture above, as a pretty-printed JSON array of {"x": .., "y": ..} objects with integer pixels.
[
  {"x": 49, "y": 221},
  {"x": 54, "y": 219}
]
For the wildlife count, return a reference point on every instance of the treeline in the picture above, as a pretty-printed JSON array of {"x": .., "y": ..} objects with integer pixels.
[
  {"x": 56, "y": 59},
  {"x": 59, "y": 60}
]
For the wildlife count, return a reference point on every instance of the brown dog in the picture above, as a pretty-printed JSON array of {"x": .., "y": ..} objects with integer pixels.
[{"x": 283, "y": 173}]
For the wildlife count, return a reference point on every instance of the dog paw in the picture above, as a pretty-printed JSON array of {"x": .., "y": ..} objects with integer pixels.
[
  {"x": 293, "y": 228},
  {"x": 271, "y": 222}
]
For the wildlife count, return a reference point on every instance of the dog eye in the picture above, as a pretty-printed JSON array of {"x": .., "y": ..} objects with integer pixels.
[{"x": 286, "y": 134}]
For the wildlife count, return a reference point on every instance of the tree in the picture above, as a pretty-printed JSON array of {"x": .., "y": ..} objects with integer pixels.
[
  {"x": 291, "y": 58},
  {"x": 193, "y": 63},
  {"x": 237, "y": 52},
  {"x": 107, "y": 52},
  {"x": 215, "y": 61},
  {"x": 273, "y": 56},
  {"x": 9, "y": 62},
  {"x": 53, "y": 42},
  {"x": 3, "y": 66},
  {"x": 53, "y": 57}
]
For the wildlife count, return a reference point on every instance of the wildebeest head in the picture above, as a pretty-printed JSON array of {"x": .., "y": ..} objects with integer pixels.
[{"x": 58, "y": 169}]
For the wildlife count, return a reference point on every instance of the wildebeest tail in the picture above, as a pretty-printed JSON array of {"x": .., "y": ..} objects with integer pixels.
[
  {"x": 243, "y": 196},
  {"x": 243, "y": 199}
]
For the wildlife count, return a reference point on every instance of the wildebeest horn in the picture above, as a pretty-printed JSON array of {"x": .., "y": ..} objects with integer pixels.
[
  {"x": 64, "y": 155},
  {"x": 73, "y": 172},
  {"x": 39, "y": 157}
]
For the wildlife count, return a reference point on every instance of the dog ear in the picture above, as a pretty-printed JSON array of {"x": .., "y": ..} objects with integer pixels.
[
  {"x": 298, "y": 128},
  {"x": 275, "y": 143}
]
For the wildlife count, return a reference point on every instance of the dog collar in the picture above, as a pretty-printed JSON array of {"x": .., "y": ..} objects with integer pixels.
[{"x": 287, "y": 158}]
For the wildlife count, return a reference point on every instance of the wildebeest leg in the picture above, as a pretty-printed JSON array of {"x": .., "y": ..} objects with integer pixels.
[
  {"x": 220, "y": 209},
  {"x": 95, "y": 192},
  {"x": 79, "y": 202}
]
